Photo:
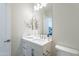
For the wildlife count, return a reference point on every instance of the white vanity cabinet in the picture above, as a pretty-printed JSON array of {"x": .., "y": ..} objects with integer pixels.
[{"x": 33, "y": 47}]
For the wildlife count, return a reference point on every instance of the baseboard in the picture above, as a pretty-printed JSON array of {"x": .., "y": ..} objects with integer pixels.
[{"x": 67, "y": 49}]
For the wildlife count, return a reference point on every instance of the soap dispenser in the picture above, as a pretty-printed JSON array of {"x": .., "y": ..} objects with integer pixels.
[{"x": 49, "y": 32}]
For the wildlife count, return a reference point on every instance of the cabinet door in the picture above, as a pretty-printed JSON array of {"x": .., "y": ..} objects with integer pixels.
[
  {"x": 36, "y": 49},
  {"x": 38, "y": 52},
  {"x": 26, "y": 50},
  {"x": 47, "y": 49}
]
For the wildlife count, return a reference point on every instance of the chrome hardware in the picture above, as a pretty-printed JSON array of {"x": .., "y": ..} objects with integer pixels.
[
  {"x": 46, "y": 53},
  {"x": 32, "y": 52},
  {"x": 7, "y": 41}
]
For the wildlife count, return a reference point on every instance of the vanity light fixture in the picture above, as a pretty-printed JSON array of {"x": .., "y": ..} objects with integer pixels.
[{"x": 39, "y": 6}]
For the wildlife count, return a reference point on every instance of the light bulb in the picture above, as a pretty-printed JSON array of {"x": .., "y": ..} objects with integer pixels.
[
  {"x": 44, "y": 4},
  {"x": 36, "y": 8},
  {"x": 38, "y": 5}
]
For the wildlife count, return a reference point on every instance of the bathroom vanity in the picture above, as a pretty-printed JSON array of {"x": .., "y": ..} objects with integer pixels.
[{"x": 36, "y": 46}]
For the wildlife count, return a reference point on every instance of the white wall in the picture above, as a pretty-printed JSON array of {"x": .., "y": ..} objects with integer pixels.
[
  {"x": 20, "y": 12},
  {"x": 66, "y": 17}
]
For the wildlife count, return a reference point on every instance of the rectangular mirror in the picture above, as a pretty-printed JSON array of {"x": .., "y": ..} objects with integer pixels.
[{"x": 47, "y": 26}]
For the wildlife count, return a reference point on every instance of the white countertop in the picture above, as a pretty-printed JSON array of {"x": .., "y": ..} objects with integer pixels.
[{"x": 37, "y": 40}]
